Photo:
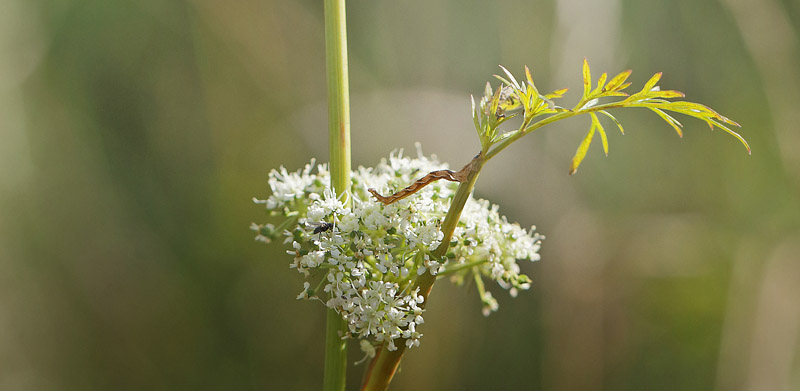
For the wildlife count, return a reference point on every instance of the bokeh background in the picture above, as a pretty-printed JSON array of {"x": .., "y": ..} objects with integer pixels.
[{"x": 134, "y": 133}]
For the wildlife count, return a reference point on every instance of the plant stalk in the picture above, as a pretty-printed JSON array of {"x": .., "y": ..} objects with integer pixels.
[
  {"x": 339, "y": 135},
  {"x": 385, "y": 363}
]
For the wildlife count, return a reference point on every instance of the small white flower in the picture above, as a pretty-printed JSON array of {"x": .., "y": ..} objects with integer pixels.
[
  {"x": 260, "y": 229},
  {"x": 372, "y": 254},
  {"x": 304, "y": 293},
  {"x": 489, "y": 304}
]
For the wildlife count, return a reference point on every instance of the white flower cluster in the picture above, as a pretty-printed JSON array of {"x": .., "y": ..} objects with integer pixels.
[{"x": 365, "y": 256}]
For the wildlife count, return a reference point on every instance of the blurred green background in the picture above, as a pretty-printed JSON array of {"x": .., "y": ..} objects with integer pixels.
[{"x": 133, "y": 135}]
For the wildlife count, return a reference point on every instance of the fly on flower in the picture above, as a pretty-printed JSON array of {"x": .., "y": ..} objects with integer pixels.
[{"x": 321, "y": 227}]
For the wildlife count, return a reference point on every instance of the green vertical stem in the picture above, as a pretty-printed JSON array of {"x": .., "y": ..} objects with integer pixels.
[
  {"x": 339, "y": 133},
  {"x": 385, "y": 363}
]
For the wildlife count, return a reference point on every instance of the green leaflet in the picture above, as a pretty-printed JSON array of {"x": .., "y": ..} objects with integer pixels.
[
  {"x": 619, "y": 125},
  {"x": 603, "y": 138},
  {"x": 587, "y": 79},
  {"x": 670, "y": 120},
  {"x": 581, "y": 152}
]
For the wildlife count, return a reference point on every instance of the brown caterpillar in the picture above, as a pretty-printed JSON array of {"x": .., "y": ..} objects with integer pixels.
[{"x": 431, "y": 177}]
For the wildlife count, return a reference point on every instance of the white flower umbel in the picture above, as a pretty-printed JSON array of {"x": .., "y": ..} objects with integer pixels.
[{"x": 363, "y": 260}]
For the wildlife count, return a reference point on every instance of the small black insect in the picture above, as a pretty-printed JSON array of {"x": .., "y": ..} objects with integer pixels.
[{"x": 322, "y": 227}]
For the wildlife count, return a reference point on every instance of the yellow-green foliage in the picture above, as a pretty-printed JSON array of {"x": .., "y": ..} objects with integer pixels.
[{"x": 513, "y": 98}]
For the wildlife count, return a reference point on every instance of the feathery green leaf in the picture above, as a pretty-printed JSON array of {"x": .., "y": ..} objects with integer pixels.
[
  {"x": 587, "y": 79},
  {"x": 581, "y": 152},
  {"x": 511, "y": 77},
  {"x": 530, "y": 79},
  {"x": 732, "y": 133},
  {"x": 652, "y": 82},
  {"x": 619, "y": 125},
  {"x": 596, "y": 123},
  {"x": 512, "y": 99},
  {"x": 600, "y": 84},
  {"x": 670, "y": 120},
  {"x": 616, "y": 82},
  {"x": 557, "y": 94}
]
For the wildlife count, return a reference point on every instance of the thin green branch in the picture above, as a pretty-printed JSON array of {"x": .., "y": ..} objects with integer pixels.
[
  {"x": 385, "y": 364},
  {"x": 461, "y": 266}
]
